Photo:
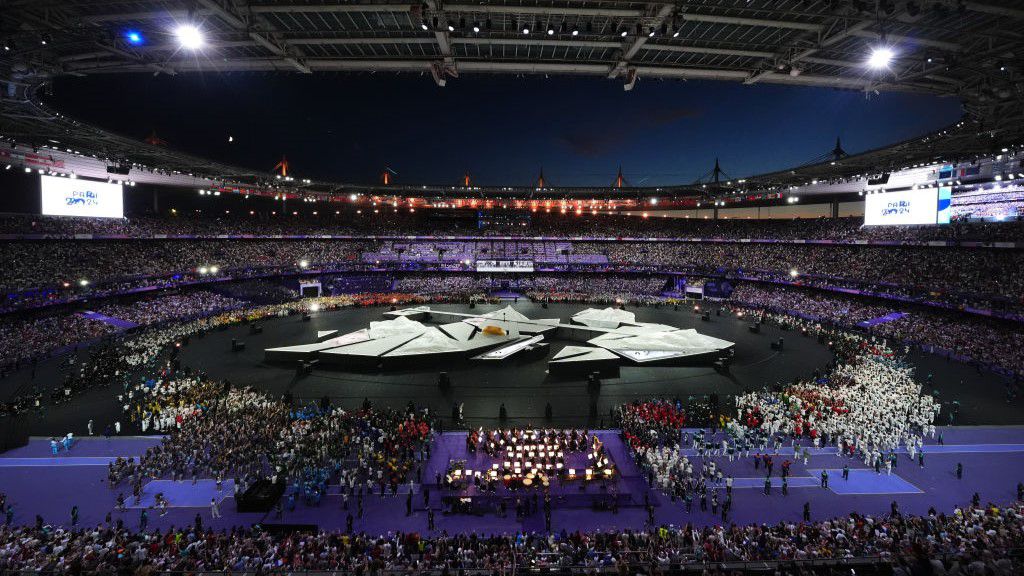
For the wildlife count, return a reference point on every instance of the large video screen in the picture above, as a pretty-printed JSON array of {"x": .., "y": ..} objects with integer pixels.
[
  {"x": 83, "y": 198},
  {"x": 902, "y": 208}
]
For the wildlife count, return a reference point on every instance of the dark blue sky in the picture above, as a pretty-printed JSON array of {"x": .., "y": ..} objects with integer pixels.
[{"x": 501, "y": 129}]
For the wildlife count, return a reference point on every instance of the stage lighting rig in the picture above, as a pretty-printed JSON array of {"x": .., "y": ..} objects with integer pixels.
[
  {"x": 881, "y": 57},
  {"x": 189, "y": 36}
]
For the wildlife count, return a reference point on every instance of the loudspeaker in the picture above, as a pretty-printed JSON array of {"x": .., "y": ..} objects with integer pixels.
[
  {"x": 305, "y": 367},
  {"x": 722, "y": 366}
]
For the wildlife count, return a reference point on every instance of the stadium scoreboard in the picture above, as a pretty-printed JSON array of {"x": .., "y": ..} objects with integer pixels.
[
  {"x": 63, "y": 196},
  {"x": 910, "y": 207}
]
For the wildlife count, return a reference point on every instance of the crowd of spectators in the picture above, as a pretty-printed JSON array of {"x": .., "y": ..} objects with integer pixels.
[
  {"x": 54, "y": 271},
  {"x": 119, "y": 358},
  {"x": 982, "y": 340},
  {"x": 867, "y": 403},
  {"x": 50, "y": 264},
  {"x": 596, "y": 288},
  {"x": 156, "y": 309},
  {"x": 555, "y": 225},
  {"x": 968, "y": 541},
  {"x": 27, "y": 337}
]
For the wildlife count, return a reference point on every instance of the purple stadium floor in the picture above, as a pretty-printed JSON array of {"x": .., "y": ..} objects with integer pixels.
[{"x": 993, "y": 460}]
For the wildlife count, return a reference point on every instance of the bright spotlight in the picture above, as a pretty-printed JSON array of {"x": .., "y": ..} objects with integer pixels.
[
  {"x": 654, "y": 201},
  {"x": 83, "y": 282},
  {"x": 203, "y": 270},
  {"x": 793, "y": 273},
  {"x": 353, "y": 197},
  {"x": 214, "y": 269},
  {"x": 303, "y": 263},
  {"x": 189, "y": 36},
  {"x": 314, "y": 307},
  {"x": 134, "y": 37},
  {"x": 881, "y": 58}
]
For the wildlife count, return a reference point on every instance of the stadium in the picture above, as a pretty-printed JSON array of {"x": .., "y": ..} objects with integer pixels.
[{"x": 512, "y": 287}]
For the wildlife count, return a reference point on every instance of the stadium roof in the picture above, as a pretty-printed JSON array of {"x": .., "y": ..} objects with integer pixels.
[{"x": 963, "y": 49}]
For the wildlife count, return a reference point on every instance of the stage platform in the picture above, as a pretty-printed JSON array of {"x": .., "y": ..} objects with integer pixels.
[
  {"x": 993, "y": 461},
  {"x": 403, "y": 339}
]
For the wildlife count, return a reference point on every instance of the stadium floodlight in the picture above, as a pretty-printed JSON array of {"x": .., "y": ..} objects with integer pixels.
[
  {"x": 476, "y": 27},
  {"x": 881, "y": 58},
  {"x": 303, "y": 263},
  {"x": 189, "y": 36},
  {"x": 314, "y": 307},
  {"x": 83, "y": 282},
  {"x": 134, "y": 37},
  {"x": 203, "y": 270},
  {"x": 624, "y": 33},
  {"x": 575, "y": 31},
  {"x": 214, "y": 269},
  {"x": 526, "y": 29},
  {"x": 793, "y": 273},
  {"x": 654, "y": 201}
]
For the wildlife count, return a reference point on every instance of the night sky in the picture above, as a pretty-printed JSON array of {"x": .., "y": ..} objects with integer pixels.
[{"x": 500, "y": 129}]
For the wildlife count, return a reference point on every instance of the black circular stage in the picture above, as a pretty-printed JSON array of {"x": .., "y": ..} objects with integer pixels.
[{"x": 523, "y": 385}]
